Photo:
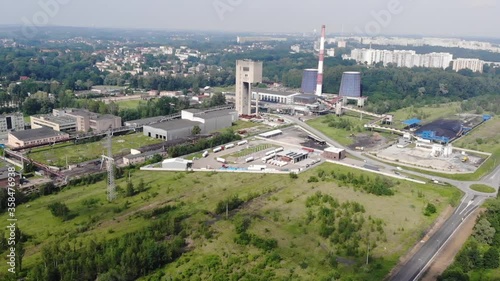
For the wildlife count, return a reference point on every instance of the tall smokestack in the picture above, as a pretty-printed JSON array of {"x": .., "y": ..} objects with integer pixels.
[{"x": 319, "y": 86}]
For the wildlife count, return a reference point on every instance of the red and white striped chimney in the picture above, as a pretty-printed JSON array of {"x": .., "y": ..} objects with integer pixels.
[{"x": 319, "y": 86}]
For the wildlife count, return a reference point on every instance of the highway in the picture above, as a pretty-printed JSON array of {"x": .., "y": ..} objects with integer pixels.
[{"x": 414, "y": 268}]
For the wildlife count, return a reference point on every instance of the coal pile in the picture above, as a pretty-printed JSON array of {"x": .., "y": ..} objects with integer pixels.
[{"x": 443, "y": 128}]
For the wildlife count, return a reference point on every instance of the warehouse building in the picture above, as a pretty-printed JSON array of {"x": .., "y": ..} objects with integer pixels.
[
  {"x": 334, "y": 153},
  {"x": 171, "y": 130},
  {"x": 38, "y": 136},
  {"x": 212, "y": 120},
  {"x": 207, "y": 120}
]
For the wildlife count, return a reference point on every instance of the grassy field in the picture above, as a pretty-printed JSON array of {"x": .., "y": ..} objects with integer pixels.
[
  {"x": 129, "y": 104},
  {"x": 57, "y": 154},
  {"x": 483, "y": 138},
  {"x": 482, "y": 188},
  {"x": 250, "y": 150},
  {"x": 279, "y": 214},
  {"x": 342, "y": 136},
  {"x": 428, "y": 113}
]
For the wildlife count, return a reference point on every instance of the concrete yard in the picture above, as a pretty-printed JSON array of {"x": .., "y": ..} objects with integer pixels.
[
  {"x": 292, "y": 139},
  {"x": 422, "y": 158}
]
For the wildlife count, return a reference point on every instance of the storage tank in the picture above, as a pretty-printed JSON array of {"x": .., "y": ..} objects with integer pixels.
[
  {"x": 309, "y": 81},
  {"x": 350, "y": 86}
]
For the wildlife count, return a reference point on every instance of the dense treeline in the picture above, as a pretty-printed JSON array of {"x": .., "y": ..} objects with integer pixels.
[
  {"x": 126, "y": 258},
  {"x": 481, "y": 251},
  {"x": 67, "y": 67}
]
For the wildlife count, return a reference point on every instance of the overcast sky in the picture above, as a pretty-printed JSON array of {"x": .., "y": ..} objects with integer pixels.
[{"x": 416, "y": 17}]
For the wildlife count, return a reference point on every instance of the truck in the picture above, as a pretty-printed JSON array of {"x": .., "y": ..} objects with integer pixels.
[
  {"x": 230, "y": 146},
  {"x": 217, "y": 149},
  {"x": 242, "y": 142},
  {"x": 205, "y": 154},
  {"x": 222, "y": 160},
  {"x": 279, "y": 149},
  {"x": 360, "y": 148},
  {"x": 249, "y": 159}
]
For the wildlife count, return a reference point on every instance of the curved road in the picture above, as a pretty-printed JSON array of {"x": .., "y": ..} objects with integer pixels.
[{"x": 416, "y": 266}]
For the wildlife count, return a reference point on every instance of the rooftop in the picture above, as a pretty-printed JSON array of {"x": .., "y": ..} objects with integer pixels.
[
  {"x": 36, "y": 134},
  {"x": 55, "y": 119},
  {"x": 214, "y": 114},
  {"x": 276, "y": 93},
  {"x": 175, "y": 124},
  {"x": 333, "y": 149},
  {"x": 145, "y": 121}
]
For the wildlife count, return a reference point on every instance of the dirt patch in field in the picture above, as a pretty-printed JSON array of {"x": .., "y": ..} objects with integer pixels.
[
  {"x": 447, "y": 255},
  {"x": 368, "y": 141}
]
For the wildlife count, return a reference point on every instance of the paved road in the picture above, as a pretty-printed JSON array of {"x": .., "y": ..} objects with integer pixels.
[{"x": 413, "y": 269}]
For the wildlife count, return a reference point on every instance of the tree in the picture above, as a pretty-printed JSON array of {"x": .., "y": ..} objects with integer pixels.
[
  {"x": 59, "y": 210},
  {"x": 217, "y": 99},
  {"x": 196, "y": 130},
  {"x": 430, "y": 209},
  {"x": 484, "y": 232},
  {"x": 491, "y": 258},
  {"x": 455, "y": 274},
  {"x": 130, "y": 189},
  {"x": 142, "y": 186}
]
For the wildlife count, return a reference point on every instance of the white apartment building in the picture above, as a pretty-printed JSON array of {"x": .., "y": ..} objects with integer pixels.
[
  {"x": 475, "y": 65},
  {"x": 401, "y": 58}
]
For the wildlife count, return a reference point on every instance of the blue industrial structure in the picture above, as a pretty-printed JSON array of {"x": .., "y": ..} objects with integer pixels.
[
  {"x": 309, "y": 81},
  {"x": 431, "y": 135},
  {"x": 350, "y": 86},
  {"x": 412, "y": 122}
]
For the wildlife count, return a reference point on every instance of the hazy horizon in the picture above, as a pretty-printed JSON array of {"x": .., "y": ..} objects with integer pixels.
[{"x": 446, "y": 18}]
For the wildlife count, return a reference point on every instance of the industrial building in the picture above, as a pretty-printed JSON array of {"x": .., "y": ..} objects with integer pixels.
[
  {"x": 309, "y": 81},
  {"x": 271, "y": 96},
  {"x": 247, "y": 73},
  {"x": 56, "y": 123},
  {"x": 208, "y": 121},
  {"x": 305, "y": 99},
  {"x": 293, "y": 156},
  {"x": 11, "y": 122},
  {"x": 43, "y": 135},
  {"x": 171, "y": 130},
  {"x": 334, "y": 153},
  {"x": 76, "y": 120},
  {"x": 86, "y": 120},
  {"x": 212, "y": 120}
]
